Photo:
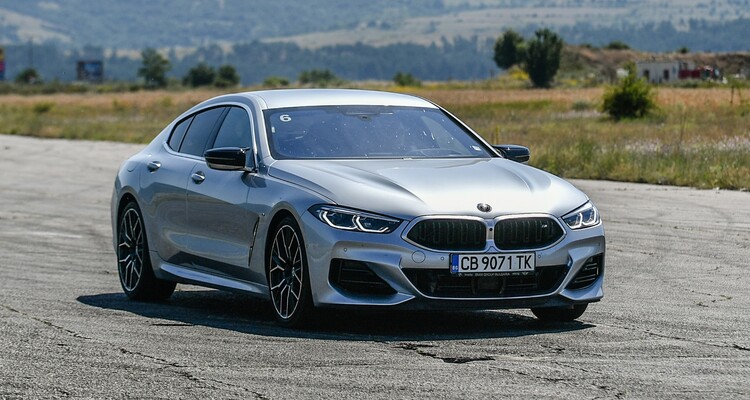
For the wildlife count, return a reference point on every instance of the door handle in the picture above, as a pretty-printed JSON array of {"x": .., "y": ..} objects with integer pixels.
[
  {"x": 198, "y": 177},
  {"x": 153, "y": 166}
]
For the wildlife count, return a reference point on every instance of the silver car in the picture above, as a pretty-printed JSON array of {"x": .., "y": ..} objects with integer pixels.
[{"x": 319, "y": 198}]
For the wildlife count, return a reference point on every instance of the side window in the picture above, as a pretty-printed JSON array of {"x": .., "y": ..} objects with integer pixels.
[
  {"x": 178, "y": 134},
  {"x": 235, "y": 131},
  {"x": 200, "y": 130}
]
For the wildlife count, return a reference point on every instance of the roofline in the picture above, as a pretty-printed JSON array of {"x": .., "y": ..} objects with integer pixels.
[{"x": 286, "y": 98}]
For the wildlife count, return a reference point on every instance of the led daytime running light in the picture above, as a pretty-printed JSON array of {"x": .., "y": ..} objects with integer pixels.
[
  {"x": 354, "y": 220},
  {"x": 585, "y": 217}
]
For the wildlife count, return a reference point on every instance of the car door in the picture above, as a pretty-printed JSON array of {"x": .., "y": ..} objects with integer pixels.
[
  {"x": 164, "y": 184},
  {"x": 221, "y": 224}
]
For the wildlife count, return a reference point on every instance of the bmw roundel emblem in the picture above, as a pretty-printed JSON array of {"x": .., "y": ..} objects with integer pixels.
[{"x": 483, "y": 207}]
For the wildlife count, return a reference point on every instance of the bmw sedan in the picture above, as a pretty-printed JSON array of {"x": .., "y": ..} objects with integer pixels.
[{"x": 326, "y": 198}]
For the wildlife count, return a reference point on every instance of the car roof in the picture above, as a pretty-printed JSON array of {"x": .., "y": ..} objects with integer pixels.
[{"x": 284, "y": 98}]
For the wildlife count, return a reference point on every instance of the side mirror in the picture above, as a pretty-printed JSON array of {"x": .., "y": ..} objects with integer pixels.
[
  {"x": 229, "y": 159},
  {"x": 514, "y": 152}
]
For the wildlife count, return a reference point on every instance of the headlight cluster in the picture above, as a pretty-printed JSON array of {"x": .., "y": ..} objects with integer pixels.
[
  {"x": 353, "y": 220},
  {"x": 584, "y": 217}
]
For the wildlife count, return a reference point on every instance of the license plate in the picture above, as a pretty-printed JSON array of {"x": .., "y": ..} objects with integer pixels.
[{"x": 493, "y": 264}]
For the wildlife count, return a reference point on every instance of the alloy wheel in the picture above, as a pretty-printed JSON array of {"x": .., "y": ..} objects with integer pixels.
[
  {"x": 130, "y": 249},
  {"x": 286, "y": 271}
]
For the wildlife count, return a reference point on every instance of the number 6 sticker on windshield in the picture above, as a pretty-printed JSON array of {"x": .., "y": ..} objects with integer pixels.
[{"x": 285, "y": 118}]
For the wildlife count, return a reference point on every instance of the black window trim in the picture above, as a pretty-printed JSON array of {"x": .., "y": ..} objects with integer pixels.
[
  {"x": 174, "y": 128},
  {"x": 249, "y": 109},
  {"x": 211, "y": 136},
  {"x": 215, "y": 133}
]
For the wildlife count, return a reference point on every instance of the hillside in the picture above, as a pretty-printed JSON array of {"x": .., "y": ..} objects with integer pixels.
[
  {"x": 580, "y": 60},
  {"x": 167, "y": 23},
  {"x": 135, "y": 24}
]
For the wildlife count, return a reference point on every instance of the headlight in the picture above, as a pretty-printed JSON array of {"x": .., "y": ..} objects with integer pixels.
[
  {"x": 584, "y": 217},
  {"x": 353, "y": 220}
]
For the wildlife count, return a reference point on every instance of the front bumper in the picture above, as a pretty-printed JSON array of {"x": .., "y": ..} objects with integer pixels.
[{"x": 388, "y": 256}]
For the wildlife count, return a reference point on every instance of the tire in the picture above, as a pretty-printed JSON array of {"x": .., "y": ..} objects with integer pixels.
[
  {"x": 288, "y": 276},
  {"x": 559, "y": 314},
  {"x": 133, "y": 262}
]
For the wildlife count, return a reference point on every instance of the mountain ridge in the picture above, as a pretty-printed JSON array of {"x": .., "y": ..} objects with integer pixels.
[{"x": 136, "y": 24}]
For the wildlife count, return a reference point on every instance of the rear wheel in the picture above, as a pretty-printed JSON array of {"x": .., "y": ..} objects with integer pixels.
[
  {"x": 133, "y": 262},
  {"x": 560, "y": 314},
  {"x": 288, "y": 276}
]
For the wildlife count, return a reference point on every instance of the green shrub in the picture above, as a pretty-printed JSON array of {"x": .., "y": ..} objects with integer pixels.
[
  {"x": 617, "y": 45},
  {"x": 275, "y": 81},
  {"x": 406, "y": 79},
  {"x": 43, "y": 107},
  {"x": 200, "y": 75},
  {"x": 582, "y": 105},
  {"x": 226, "y": 76},
  {"x": 633, "y": 97},
  {"x": 28, "y": 76},
  {"x": 319, "y": 78}
]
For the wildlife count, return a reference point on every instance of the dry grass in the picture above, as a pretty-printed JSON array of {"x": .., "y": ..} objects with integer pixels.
[
  {"x": 130, "y": 117},
  {"x": 141, "y": 99},
  {"x": 699, "y": 137},
  {"x": 691, "y": 98},
  {"x": 478, "y": 96}
]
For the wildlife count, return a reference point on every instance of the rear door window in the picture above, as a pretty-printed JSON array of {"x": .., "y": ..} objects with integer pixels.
[
  {"x": 179, "y": 133},
  {"x": 200, "y": 131}
]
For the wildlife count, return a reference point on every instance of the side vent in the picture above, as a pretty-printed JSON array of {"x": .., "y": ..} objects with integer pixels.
[
  {"x": 357, "y": 277},
  {"x": 588, "y": 274}
]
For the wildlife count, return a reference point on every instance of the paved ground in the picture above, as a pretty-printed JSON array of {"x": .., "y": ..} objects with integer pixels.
[{"x": 674, "y": 322}]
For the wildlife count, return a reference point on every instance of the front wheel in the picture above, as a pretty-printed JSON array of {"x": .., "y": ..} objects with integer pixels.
[
  {"x": 559, "y": 314},
  {"x": 133, "y": 262},
  {"x": 288, "y": 276}
]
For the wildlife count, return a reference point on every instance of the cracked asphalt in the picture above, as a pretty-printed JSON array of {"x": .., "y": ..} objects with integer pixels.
[{"x": 673, "y": 324}]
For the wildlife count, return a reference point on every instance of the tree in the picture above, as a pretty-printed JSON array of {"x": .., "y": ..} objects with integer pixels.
[
  {"x": 200, "y": 75},
  {"x": 543, "y": 55},
  {"x": 276, "y": 81},
  {"x": 154, "y": 68},
  {"x": 617, "y": 45},
  {"x": 631, "y": 98},
  {"x": 28, "y": 76},
  {"x": 319, "y": 77},
  {"x": 509, "y": 49},
  {"x": 406, "y": 79},
  {"x": 226, "y": 77}
]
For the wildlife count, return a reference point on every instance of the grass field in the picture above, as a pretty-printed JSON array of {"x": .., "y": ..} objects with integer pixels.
[{"x": 699, "y": 137}]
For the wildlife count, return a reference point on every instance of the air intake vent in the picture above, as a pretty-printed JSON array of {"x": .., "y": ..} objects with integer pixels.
[
  {"x": 527, "y": 233},
  {"x": 441, "y": 283},
  {"x": 357, "y": 277},
  {"x": 450, "y": 234},
  {"x": 588, "y": 273}
]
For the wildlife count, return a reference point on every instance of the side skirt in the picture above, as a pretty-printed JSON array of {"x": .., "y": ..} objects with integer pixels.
[{"x": 181, "y": 274}]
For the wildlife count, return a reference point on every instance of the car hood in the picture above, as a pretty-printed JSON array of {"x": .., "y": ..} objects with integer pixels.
[{"x": 415, "y": 187}]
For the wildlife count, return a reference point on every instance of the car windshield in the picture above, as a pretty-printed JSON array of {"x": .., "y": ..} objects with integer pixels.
[{"x": 354, "y": 132}]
